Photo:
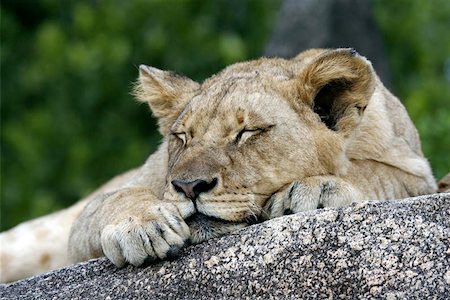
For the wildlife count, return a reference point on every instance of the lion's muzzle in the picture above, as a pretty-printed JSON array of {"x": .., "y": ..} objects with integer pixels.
[{"x": 192, "y": 188}]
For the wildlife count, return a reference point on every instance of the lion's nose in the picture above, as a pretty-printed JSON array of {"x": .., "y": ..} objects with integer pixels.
[{"x": 193, "y": 188}]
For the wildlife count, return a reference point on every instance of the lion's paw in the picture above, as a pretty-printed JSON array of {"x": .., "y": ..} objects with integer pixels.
[
  {"x": 156, "y": 234},
  {"x": 311, "y": 193}
]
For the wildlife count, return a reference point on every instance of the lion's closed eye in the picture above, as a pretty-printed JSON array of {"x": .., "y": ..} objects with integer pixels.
[
  {"x": 247, "y": 133},
  {"x": 180, "y": 136}
]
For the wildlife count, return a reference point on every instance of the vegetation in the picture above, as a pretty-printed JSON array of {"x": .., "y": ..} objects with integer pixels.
[
  {"x": 417, "y": 41},
  {"x": 68, "y": 122}
]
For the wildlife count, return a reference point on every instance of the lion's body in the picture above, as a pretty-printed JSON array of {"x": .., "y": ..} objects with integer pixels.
[
  {"x": 40, "y": 245},
  {"x": 256, "y": 141}
]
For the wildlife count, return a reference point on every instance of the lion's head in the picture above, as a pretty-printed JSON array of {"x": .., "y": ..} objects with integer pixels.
[{"x": 255, "y": 127}]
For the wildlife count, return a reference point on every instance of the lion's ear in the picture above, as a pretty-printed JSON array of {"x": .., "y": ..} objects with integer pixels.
[
  {"x": 338, "y": 84},
  {"x": 166, "y": 93}
]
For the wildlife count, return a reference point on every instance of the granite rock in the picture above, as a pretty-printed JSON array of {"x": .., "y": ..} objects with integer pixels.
[{"x": 391, "y": 249}]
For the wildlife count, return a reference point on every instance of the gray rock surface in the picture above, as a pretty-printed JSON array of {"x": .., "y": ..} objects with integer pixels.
[{"x": 391, "y": 250}]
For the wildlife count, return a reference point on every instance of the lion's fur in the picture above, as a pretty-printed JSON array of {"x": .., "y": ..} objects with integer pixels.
[
  {"x": 277, "y": 135},
  {"x": 40, "y": 245}
]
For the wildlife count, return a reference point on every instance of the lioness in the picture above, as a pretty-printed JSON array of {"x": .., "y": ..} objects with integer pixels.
[{"x": 260, "y": 139}]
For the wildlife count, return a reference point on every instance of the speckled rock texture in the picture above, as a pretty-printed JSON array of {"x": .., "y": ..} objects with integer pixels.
[{"x": 390, "y": 250}]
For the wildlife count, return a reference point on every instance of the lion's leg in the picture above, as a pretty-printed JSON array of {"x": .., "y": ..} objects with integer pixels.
[
  {"x": 40, "y": 245},
  {"x": 130, "y": 226},
  {"x": 37, "y": 246},
  {"x": 365, "y": 180},
  {"x": 312, "y": 193}
]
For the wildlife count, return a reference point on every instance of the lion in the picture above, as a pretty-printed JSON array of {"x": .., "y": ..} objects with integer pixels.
[{"x": 259, "y": 140}]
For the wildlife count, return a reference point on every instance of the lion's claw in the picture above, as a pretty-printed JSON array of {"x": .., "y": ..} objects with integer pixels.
[
  {"x": 159, "y": 234},
  {"x": 311, "y": 193}
]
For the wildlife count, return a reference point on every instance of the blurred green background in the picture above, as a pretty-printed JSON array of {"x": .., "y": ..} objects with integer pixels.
[{"x": 68, "y": 122}]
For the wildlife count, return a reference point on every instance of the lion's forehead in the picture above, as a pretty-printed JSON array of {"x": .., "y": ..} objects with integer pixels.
[
  {"x": 233, "y": 94},
  {"x": 274, "y": 68},
  {"x": 242, "y": 94},
  {"x": 222, "y": 115}
]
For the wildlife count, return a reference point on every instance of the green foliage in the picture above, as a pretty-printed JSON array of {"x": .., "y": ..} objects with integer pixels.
[
  {"x": 68, "y": 121},
  {"x": 417, "y": 40}
]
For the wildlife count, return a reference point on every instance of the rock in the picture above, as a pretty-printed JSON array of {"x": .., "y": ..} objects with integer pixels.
[{"x": 391, "y": 249}]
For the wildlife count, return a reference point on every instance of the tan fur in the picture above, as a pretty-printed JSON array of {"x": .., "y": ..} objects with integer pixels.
[
  {"x": 268, "y": 136},
  {"x": 40, "y": 245},
  {"x": 444, "y": 184}
]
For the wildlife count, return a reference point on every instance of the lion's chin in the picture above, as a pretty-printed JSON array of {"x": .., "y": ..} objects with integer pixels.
[{"x": 203, "y": 227}]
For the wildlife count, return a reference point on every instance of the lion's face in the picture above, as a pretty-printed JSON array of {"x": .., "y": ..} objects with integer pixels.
[
  {"x": 247, "y": 132},
  {"x": 245, "y": 141}
]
